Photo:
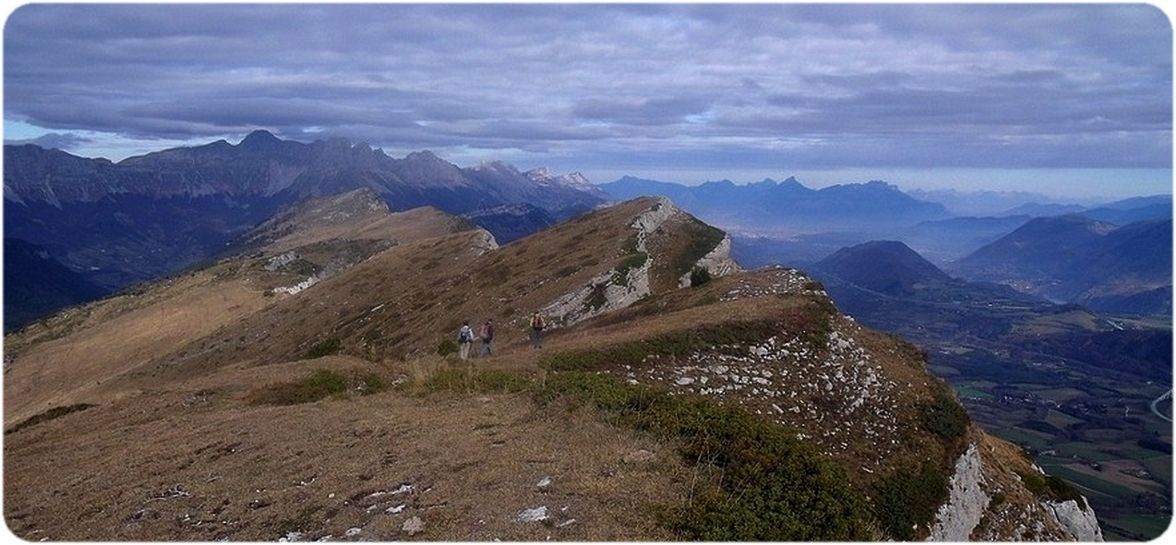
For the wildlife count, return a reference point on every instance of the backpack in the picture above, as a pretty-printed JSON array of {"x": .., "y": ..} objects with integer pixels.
[{"x": 537, "y": 322}]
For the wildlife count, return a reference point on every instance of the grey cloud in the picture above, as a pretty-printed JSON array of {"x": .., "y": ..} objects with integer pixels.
[
  {"x": 61, "y": 141},
  {"x": 842, "y": 85}
]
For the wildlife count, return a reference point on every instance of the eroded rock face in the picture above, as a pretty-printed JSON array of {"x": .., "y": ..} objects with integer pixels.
[
  {"x": 966, "y": 502},
  {"x": 612, "y": 290},
  {"x": 718, "y": 262},
  {"x": 1079, "y": 520}
]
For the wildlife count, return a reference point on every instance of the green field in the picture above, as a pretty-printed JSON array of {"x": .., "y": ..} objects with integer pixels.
[
  {"x": 964, "y": 391},
  {"x": 1088, "y": 483}
]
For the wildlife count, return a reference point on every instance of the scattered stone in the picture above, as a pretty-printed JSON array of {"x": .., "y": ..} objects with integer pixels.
[
  {"x": 290, "y": 536},
  {"x": 537, "y": 514},
  {"x": 684, "y": 381},
  {"x": 544, "y": 483},
  {"x": 638, "y": 456},
  {"x": 394, "y": 510},
  {"x": 412, "y": 526},
  {"x": 403, "y": 489},
  {"x": 351, "y": 532}
]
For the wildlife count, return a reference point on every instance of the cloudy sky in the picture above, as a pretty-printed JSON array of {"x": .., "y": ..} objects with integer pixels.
[{"x": 993, "y": 96}]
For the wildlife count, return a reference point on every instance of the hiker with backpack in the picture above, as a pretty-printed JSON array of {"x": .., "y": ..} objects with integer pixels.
[
  {"x": 537, "y": 327},
  {"x": 487, "y": 335},
  {"x": 465, "y": 338}
]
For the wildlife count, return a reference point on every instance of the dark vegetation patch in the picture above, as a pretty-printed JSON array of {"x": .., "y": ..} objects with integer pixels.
[
  {"x": 944, "y": 416},
  {"x": 446, "y": 347},
  {"x": 51, "y": 414},
  {"x": 699, "y": 276},
  {"x": 1050, "y": 487},
  {"x": 771, "y": 486},
  {"x": 324, "y": 347},
  {"x": 318, "y": 385},
  {"x": 702, "y": 239},
  {"x": 906, "y": 499}
]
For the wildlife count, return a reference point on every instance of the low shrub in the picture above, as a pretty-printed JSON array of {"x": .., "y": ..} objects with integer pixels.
[
  {"x": 906, "y": 499},
  {"x": 945, "y": 417},
  {"x": 324, "y": 347},
  {"x": 699, "y": 276},
  {"x": 773, "y": 487},
  {"x": 731, "y": 335},
  {"x": 446, "y": 347},
  {"x": 372, "y": 383},
  {"x": 318, "y": 385},
  {"x": 471, "y": 380}
]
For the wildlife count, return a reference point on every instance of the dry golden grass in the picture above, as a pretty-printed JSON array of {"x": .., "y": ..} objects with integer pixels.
[{"x": 474, "y": 462}]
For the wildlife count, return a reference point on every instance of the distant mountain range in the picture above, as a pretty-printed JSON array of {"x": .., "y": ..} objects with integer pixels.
[
  {"x": 1073, "y": 258},
  {"x": 788, "y": 206},
  {"x": 116, "y": 224}
]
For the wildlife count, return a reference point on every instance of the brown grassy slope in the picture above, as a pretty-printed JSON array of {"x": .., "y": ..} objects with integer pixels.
[
  {"x": 406, "y": 300},
  {"x": 72, "y": 356},
  {"x": 356, "y": 215},
  {"x": 257, "y": 472}
]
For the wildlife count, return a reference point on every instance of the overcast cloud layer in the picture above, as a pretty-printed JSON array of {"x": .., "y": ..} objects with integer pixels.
[{"x": 714, "y": 87}]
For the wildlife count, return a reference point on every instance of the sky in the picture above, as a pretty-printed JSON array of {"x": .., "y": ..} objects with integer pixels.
[{"x": 1059, "y": 99}]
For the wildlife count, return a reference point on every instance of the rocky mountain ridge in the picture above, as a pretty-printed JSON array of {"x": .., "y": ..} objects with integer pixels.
[
  {"x": 743, "y": 407},
  {"x": 147, "y": 216}
]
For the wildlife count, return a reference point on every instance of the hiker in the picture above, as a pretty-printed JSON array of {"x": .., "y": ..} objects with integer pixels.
[
  {"x": 487, "y": 335},
  {"x": 537, "y": 326},
  {"x": 465, "y": 338}
]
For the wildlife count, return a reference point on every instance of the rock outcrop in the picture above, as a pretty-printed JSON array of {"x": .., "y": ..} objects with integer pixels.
[
  {"x": 965, "y": 506},
  {"x": 718, "y": 262}
]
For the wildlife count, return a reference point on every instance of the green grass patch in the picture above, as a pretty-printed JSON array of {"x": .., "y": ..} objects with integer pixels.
[
  {"x": 730, "y": 336},
  {"x": 1090, "y": 482},
  {"x": 907, "y": 498},
  {"x": 772, "y": 486},
  {"x": 51, "y": 414},
  {"x": 471, "y": 380},
  {"x": 324, "y": 347},
  {"x": 318, "y": 385}
]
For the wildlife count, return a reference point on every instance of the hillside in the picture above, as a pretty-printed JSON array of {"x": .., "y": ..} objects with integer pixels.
[
  {"x": 35, "y": 284},
  {"x": 744, "y": 408},
  {"x": 1076, "y": 259},
  {"x": 117, "y": 224},
  {"x": 1070, "y": 385}
]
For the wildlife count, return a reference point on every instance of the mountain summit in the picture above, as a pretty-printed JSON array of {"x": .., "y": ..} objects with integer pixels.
[{"x": 116, "y": 224}]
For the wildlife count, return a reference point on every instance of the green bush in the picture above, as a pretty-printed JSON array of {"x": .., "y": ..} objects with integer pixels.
[
  {"x": 699, "y": 276},
  {"x": 318, "y": 385},
  {"x": 372, "y": 383},
  {"x": 945, "y": 417},
  {"x": 324, "y": 347},
  {"x": 905, "y": 499},
  {"x": 447, "y": 347},
  {"x": 773, "y": 487}
]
